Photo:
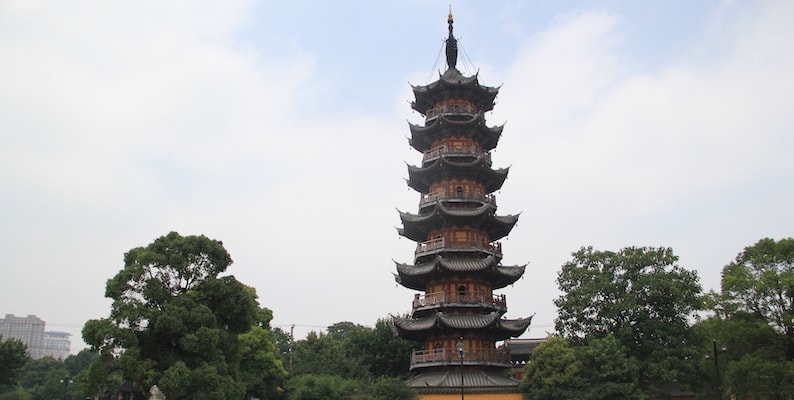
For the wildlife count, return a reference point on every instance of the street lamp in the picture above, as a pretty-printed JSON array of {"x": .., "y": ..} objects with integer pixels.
[
  {"x": 717, "y": 365},
  {"x": 460, "y": 353},
  {"x": 66, "y": 381}
]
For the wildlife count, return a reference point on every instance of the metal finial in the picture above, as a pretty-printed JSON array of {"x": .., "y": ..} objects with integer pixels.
[{"x": 452, "y": 44}]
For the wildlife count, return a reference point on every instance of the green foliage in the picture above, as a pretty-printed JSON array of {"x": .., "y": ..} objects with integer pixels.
[
  {"x": 321, "y": 387},
  {"x": 322, "y": 354},
  {"x": 12, "y": 359},
  {"x": 757, "y": 377},
  {"x": 76, "y": 363},
  {"x": 761, "y": 282},
  {"x": 47, "y": 378},
  {"x": 554, "y": 372},
  {"x": 16, "y": 393},
  {"x": 642, "y": 297},
  {"x": 102, "y": 376},
  {"x": 608, "y": 373},
  {"x": 175, "y": 323},
  {"x": 596, "y": 370},
  {"x": 354, "y": 352},
  {"x": 386, "y": 388},
  {"x": 259, "y": 359}
]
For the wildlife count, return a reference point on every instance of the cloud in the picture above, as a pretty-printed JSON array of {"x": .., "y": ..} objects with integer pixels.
[{"x": 611, "y": 155}]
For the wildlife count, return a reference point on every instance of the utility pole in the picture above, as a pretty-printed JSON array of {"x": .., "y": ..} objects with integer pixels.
[{"x": 291, "y": 344}]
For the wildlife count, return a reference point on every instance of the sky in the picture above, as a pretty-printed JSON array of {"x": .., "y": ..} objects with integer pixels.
[{"x": 280, "y": 128}]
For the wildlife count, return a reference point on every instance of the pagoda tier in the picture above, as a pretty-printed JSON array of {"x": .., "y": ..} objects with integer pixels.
[
  {"x": 453, "y": 85},
  {"x": 448, "y": 381},
  {"x": 440, "y": 323},
  {"x": 488, "y": 269},
  {"x": 418, "y": 227},
  {"x": 447, "y": 167},
  {"x": 424, "y": 137}
]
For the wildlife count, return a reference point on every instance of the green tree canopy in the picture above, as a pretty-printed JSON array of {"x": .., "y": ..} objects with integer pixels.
[
  {"x": 176, "y": 323},
  {"x": 13, "y": 357},
  {"x": 554, "y": 373},
  {"x": 597, "y": 370},
  {"x": 761, "y": 282},
  {"x": 642, "y": 297}
]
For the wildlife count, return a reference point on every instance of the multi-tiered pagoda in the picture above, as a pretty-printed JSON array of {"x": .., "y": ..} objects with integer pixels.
[{"x": 457, "y": 263}]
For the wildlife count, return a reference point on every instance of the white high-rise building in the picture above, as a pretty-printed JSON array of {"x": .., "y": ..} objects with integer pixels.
[
  {"x": 57, "y": 344},
  {"x": 28, "y": 330}
]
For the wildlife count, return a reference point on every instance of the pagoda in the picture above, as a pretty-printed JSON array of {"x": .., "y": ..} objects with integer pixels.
[{"x": 457, "y": 316}]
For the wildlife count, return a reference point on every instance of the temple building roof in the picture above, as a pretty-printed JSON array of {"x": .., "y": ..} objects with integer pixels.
[
  {"x": 475, "y": 381},
  {"x": 416, "y": 227},
  {"x": 420, "y": 178},
  {"x": 416, "y": 276},
  {"x": 453, "y": 84},
  {"x": 423, "y": 136},
  {"x": 497, "y": 327}
]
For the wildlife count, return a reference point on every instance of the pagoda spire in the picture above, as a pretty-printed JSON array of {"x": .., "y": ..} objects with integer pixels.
[{"x": 452, "y": 44}]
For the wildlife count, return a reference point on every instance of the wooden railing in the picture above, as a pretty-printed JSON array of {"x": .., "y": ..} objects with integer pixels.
[
  {"x": 440, "y": 243},
  {"x": 446, "y": 149},
  {"x": 434, "y": 197},
  {"x": 450, "y": 109},
  {"x": 430, "y": 299},
  {"x": 449, "y": 356}
]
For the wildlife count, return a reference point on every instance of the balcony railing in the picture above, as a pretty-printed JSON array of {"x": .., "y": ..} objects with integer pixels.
[
  {"x": 434, "y": 197},
  {"x": 447, "y": 149},
  {"x": 431, "y": 299},
  {"x": 450, "y": 109},
  {"x": 434, "y": 245},
  {"x": 421, "y": 358}
]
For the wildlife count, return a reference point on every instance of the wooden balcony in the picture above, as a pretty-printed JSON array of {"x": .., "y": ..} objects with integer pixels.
[
  {"x": 436, "y": 245},
  {"x": 438, "y": 357},
  {"x": 438, "y": 151},
  {"x": 472, "y": 298},
  {"x": 454, "y": 109},
  {"x": 435, "y": 197}
]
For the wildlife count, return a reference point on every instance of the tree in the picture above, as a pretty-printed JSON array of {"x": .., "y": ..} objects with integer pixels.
[
  {"x": 554, "y": 373},
  {"x": 259, "y": 358},
  {"x": 386, "y": 388},
  {"x": 47, "y": 378},
  {"x": 761, "y": 282},
  {"x": 175, "y": 323},
  {"x": 642, "y": 297},
  {"x": 12, "y": 358},
  {"x": 322, "y": 354},
  {"x": 382, "y": 352},
  {"x": 607, "y": 372},
  {"x": 320, "y": 387},
  {"x": 596, "y": 370}
]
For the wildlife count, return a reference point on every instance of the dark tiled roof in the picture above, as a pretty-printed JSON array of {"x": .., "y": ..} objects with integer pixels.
[
  {"x": 422, "y": 136},
  {"x": 416, "y": 276},
  {"x": 448, "y": 380},
  {"x": 453, "y": 81},
  {"x": 415, "y": 328},
  {"x": 416, "y": 227},
  {"x": 419, "y": 178}
]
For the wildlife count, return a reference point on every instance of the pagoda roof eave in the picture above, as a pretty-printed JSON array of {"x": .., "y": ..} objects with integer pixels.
[
  {"x": 419, "y": 177},
  {"x": 499, "y": 328},
  {"x": 447, "y": 381},
  {"x": 422, "y": 136},
  {"x": 452, "y": 79},
  {"x": 416, "y": 276},
  {"x": 416, "y": 227}
]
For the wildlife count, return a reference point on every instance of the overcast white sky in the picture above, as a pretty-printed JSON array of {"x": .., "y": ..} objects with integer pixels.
[{"x": 279, "y": 127}]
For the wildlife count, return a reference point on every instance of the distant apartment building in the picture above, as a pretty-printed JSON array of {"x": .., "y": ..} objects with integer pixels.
[
  {"x": 57, "y": 344},
  {"x": 28, "y": 330}
]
